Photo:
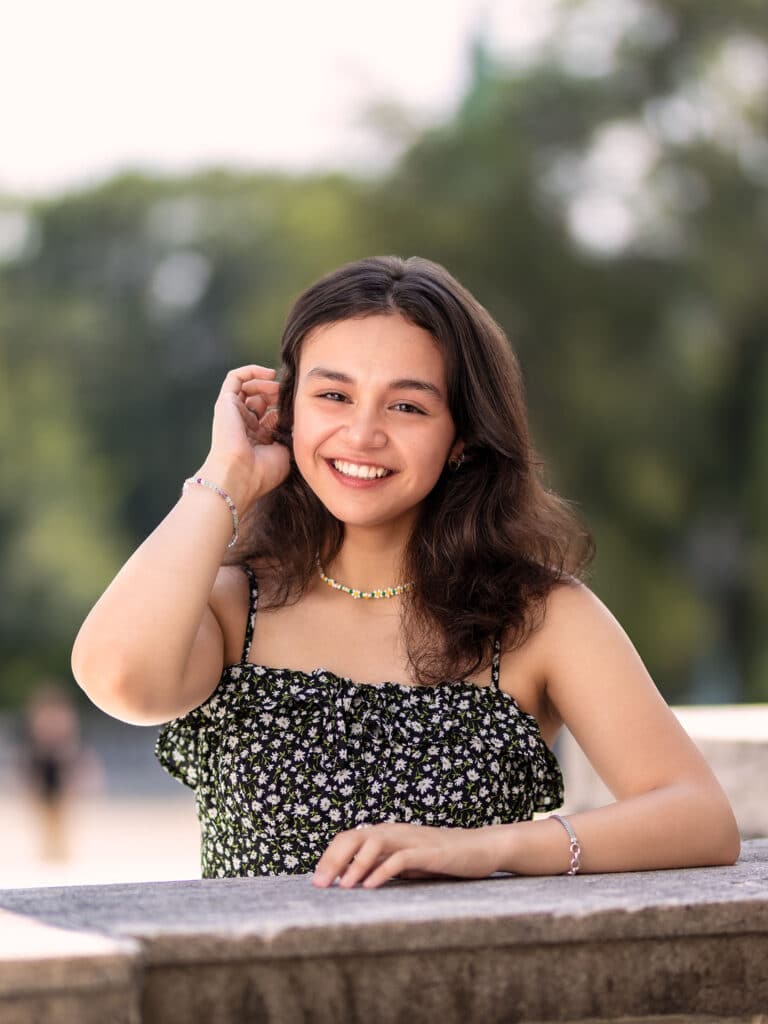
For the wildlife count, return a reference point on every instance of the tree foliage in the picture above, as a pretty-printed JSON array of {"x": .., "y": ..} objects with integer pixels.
[{"x": 608, "y": 205}]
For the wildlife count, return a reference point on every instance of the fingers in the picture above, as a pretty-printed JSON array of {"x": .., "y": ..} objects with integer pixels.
[
  {"x": 264, "y": 408},
  {"x": 246, "y": 376},
  {"x": 268, "y": 421},
  {"x": 252, "y": 387},
  {"x": 375, "y": 855},
  {"x": 254, "y": 391},
  {"x": 251, "y": 415},
  {"x": 372, "y": 868},
  {"x": 366, "y": 858},
  {"x": 257, "y": 404},
  {"x": 258, "y": 399},
  {"x": 400, "y": 861},
  {"x": 339, "y": 853},
  {"x": 260, "y": 431}
]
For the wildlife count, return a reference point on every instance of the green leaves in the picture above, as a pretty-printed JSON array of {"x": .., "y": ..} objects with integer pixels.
[{"x": 122, "y": 306}]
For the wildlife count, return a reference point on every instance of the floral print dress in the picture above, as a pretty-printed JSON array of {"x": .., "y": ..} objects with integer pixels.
[{"x": 281, "y": 760}]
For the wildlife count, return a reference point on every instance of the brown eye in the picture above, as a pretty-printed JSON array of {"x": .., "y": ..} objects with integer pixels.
[{"x": 407, "y": 407}]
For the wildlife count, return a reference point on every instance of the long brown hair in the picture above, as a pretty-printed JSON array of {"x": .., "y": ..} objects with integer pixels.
[{"x": 491, "y": 541}]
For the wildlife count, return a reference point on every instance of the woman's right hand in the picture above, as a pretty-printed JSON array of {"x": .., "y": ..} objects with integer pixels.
[
  {"x": 153, "y": 645},
  {"x": 243, "y": 454}
]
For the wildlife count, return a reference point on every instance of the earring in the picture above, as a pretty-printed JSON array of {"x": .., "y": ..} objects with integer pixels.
[{"x": 455, "y": 462}]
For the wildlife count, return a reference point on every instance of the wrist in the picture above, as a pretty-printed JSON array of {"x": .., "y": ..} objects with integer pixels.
[
  {"x": 204, "y": 483},
  {"x": 231, "y": 478},
  {"x": 502, "y": 843}
]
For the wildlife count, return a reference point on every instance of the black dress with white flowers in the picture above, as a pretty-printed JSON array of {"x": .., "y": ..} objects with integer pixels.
[{"x": 282, "y": 760}]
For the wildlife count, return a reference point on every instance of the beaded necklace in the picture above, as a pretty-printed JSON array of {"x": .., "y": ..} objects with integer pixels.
[{"x": 365, "y": 595}]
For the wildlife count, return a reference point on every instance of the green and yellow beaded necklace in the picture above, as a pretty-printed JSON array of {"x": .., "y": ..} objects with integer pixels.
[{"x": 365, "y": 595}]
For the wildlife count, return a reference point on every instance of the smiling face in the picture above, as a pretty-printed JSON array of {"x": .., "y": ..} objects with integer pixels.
[{"x": 372, "y": 430}]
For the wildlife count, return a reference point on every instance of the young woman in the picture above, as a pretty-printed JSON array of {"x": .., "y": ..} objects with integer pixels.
[{"x": 371, "y": 685}]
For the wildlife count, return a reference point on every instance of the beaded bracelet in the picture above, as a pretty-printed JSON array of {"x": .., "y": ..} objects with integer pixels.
[
  {"x": 222, "y": 494},
  {"x": 575, "y": 846}
]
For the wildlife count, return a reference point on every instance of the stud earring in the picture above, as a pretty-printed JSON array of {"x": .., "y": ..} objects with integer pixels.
[{"x": 455, "y": 462}]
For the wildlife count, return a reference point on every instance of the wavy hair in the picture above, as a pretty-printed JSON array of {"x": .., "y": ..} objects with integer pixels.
[{"x": 491, "y": 540}]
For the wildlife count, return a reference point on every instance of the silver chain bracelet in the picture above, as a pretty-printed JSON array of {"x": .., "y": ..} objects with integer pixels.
[{"x": 575, "y": 846}]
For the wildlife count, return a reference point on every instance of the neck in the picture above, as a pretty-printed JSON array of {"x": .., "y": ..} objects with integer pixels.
[{"x": 369, "y": 559}]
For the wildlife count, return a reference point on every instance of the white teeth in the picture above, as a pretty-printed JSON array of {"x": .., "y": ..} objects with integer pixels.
[{"x": 363, "y": 472}]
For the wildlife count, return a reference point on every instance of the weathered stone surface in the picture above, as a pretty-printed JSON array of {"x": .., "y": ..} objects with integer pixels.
[
  {"x": 497, "y": 984},
  {"x": 69, "y": 1008},
  {"x": 675, "y": 945},
  {"x": 58, "y": 976}
]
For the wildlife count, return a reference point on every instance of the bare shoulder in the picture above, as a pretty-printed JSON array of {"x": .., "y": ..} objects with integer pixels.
[
  {"x": 571, "y": 615},
  {"x": 604, "y": 694},
  {"x": 576, "y": 613},
  {"x": 573, "y": 618},
  {"x": 584, "y": 655}
]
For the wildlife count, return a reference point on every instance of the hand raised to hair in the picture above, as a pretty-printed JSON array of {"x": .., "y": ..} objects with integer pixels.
[
  {"x": 372, "y": 856},
  {"x": 244, "y": 458}
]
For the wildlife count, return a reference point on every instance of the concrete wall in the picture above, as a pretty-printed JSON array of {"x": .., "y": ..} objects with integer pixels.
[{"x": 674, "y": 946}]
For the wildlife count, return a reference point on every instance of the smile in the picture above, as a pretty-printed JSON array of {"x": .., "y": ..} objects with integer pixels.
[{"x": 360, "y": 472}]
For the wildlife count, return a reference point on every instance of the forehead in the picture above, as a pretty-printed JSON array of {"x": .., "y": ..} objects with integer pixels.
[{"x": 386, "y": 346}]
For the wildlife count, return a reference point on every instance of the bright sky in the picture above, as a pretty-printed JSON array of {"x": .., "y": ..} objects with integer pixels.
[{"x": 90, "y": 86}]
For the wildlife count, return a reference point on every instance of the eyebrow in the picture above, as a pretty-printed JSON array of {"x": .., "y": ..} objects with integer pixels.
[{"x": 401, "y": 384}]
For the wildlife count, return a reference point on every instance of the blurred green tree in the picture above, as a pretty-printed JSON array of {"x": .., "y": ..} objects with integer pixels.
[
  {"x": 119, "y": 317},
  {"x": 605, "y": 195},
  {"x": 607, "y": 198}
]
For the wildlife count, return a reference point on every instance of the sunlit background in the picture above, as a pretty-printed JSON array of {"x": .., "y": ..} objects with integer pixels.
[{"x": 172, "y": 175}]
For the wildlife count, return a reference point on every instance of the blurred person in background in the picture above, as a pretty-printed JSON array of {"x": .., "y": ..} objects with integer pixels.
[{"x": 55, "y": 765}]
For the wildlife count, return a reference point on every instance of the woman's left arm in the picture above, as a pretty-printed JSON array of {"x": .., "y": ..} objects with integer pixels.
[{"x": 670, "y": 811}]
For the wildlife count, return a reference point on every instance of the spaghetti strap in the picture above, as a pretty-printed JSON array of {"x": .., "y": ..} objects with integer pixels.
[
  {"x": 253, "y": 603},
  {"x": 496, "y": 663}
]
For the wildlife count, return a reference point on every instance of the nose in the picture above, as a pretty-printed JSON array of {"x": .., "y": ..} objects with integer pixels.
[{"x": 363, "y": 427}]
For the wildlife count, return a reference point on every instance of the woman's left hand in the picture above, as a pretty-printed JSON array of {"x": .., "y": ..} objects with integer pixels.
[{"x": 374, "y": 854}]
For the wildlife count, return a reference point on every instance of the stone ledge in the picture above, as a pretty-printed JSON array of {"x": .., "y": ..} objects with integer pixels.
[
  {"x": 49, "y": 973},
  {"x": 690, "y": 943}
]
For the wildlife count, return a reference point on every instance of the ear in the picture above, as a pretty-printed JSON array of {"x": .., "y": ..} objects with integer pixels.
[{"x": 457, "y": 449}]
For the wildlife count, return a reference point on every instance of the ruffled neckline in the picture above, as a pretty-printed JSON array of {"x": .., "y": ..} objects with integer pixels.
[{"x": 323, "y": 675}]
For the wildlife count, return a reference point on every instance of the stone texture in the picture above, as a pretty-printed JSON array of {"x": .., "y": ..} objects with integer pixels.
[
  {"x": 675, "y": 946},
  {"x": 56, "y": 976},
  {"x": 494, "y": 985}
]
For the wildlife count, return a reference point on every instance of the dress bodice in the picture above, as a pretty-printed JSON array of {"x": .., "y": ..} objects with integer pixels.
[{"x": 281, "y": 760}]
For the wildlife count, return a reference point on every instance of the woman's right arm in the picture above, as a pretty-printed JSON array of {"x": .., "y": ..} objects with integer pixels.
[{"x": 152, "y": 647}]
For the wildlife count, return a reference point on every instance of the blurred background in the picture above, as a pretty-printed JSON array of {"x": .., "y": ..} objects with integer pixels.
[{"x": 172, "y": 176}]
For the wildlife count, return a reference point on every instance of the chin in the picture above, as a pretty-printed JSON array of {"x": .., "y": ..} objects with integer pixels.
[{"x": 370, "y": 518}]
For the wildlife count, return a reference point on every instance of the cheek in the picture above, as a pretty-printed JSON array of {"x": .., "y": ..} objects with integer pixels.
[
  {"x": 302, "y": 457},
  {"x": 310, "y": 418},
  {"x": 309, "y": 432}
]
